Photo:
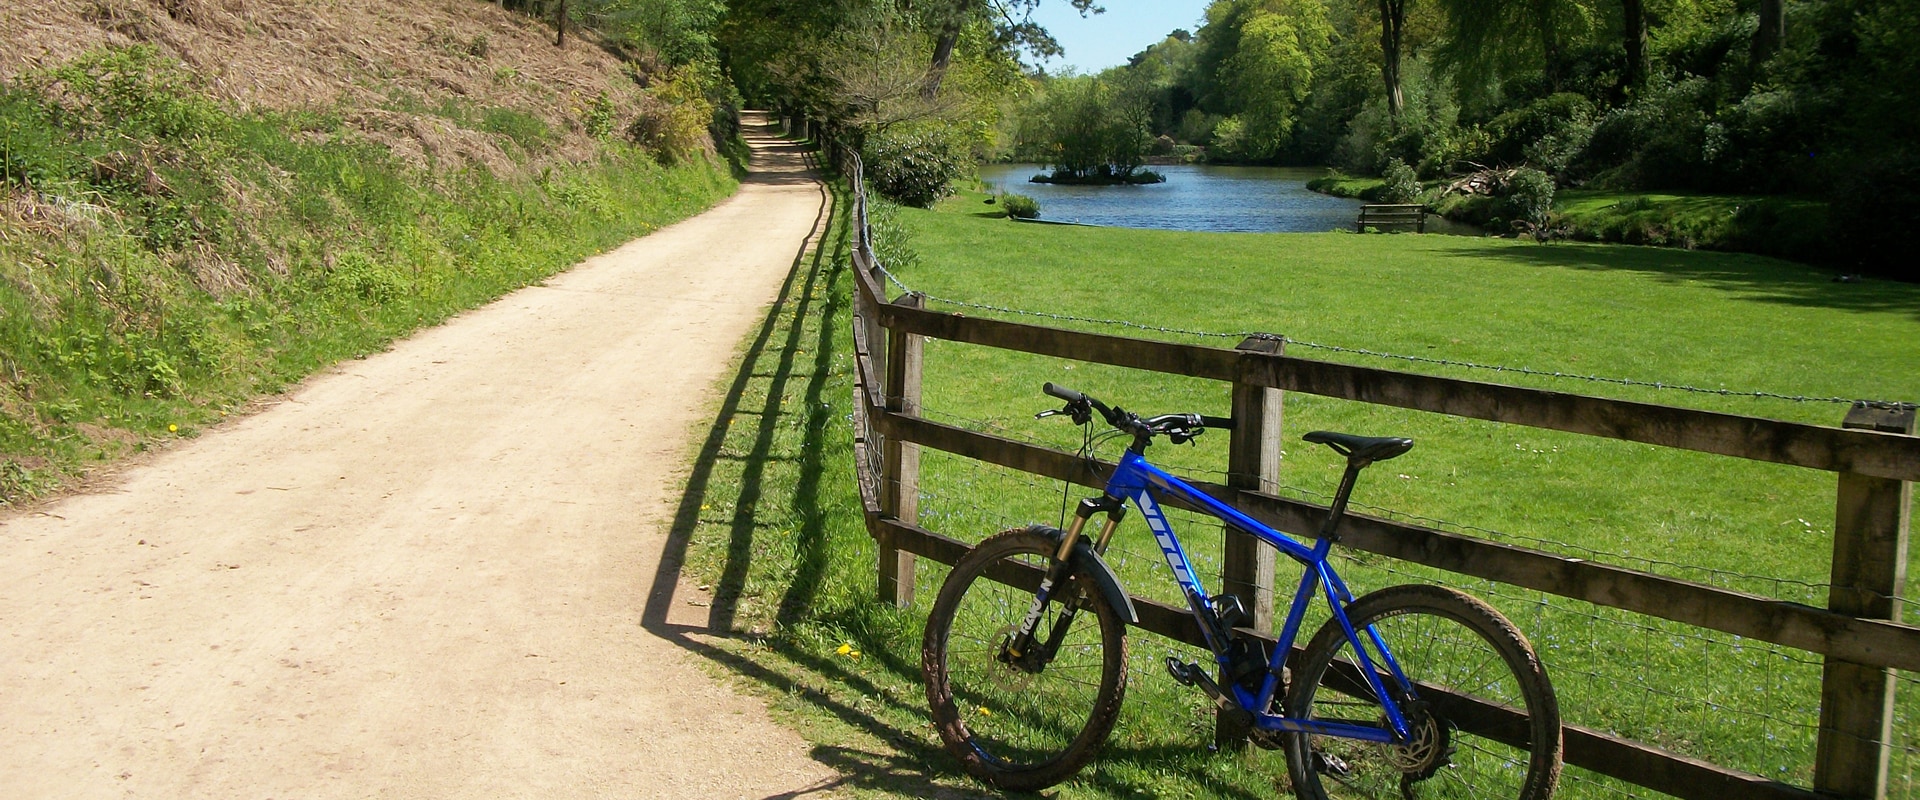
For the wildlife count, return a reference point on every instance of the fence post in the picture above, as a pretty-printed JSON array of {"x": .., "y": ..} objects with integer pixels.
[
  {"x": 1253, "y": 464},
  {"x": 900, "y": 479},
  {"x": 1869, "y": 577}
]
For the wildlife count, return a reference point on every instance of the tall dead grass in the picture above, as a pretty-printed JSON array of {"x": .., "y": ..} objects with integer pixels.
[{"x": 360, "y": 58}]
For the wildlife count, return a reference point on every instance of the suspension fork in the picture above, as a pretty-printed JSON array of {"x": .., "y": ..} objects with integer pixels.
[{"x": 1020, "y": 650}]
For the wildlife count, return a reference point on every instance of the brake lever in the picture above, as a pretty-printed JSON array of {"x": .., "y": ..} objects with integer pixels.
[
  {"x": 1185, "y": 436},
  {"x": 1078, "y": 417}
]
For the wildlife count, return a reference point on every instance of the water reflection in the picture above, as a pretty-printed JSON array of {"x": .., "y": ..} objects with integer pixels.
[{"x": 1194, "y": 198}]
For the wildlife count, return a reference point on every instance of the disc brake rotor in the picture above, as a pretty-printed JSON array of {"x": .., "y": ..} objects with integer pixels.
[{"x": 1429, "y": 749}]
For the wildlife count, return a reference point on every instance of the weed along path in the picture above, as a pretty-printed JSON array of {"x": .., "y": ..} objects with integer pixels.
[{"x": 423, "y": 573}]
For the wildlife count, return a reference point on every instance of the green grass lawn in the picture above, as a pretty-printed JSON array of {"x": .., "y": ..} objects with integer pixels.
[
  {"x": 1787, "y": 227},
  {"x": 1781, "y": 226},
  {"x": 792, "y": 562},
  {"x": 1708, "y": 320}
]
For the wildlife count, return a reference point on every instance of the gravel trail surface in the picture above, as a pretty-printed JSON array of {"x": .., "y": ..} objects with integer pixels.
[{"x": 421, "y": 574}]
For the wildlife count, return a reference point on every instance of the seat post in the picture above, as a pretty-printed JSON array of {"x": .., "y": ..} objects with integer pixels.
[{"x": 1330, "y": 530}]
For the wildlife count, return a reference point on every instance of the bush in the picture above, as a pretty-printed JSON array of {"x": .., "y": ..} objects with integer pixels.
[
  {"x": 1548, "y": 133},
  {"x": 1403, "y": 186},
  {"x": 1529, "y": 195},
  {"x": 31, "y": 151},
  {"x": 1657, "y": 142},
  {"x": 1230, "y": 143},
  {"x": 915, "y": 165},
  {"x": 1196, "y": 127},
  {"x": 357, "y": 276},
  {"x": 674, "y": 119},
  {"x": 1522, "y": 194},
  {"x": 1020, "y": 206},
  {"x": 133, "y": 90}
]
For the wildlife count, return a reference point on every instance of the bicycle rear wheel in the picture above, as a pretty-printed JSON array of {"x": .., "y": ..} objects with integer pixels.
[
  {"x": 1486, "y": 724},
  {"x": 1013, "y": 723}
]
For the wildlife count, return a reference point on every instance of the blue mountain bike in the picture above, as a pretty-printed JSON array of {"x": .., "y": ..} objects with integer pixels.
[{"x": 1408, "y": 692}]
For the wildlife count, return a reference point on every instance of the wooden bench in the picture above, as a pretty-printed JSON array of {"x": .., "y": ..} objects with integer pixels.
[{"x": 1385, "y": 215}]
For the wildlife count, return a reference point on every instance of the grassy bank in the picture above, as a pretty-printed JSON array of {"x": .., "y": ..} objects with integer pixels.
[
  {"x": 793, "y": 570},
  {"x": 1784, "y": 227},
  {"x": 168, "y": 257}
]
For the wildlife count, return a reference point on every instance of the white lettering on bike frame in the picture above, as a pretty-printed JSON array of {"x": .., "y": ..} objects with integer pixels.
[{"x": 1169, "y": 547}]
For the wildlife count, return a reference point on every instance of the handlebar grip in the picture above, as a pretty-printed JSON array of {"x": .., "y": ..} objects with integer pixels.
[
  {"x": 1222, "y": 423},
  {"x": 1063, "y": 393}
]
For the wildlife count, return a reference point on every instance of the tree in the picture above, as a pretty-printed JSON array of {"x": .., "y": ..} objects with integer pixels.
[
  {"x": 1393, "y": 26},
  {"x": 1768, "y": 36},
  {"x": 1263, "y": 54},
  {"x": 1160, "y": 76},
  {"x": 1633, "y": 26},
  {"x": 876, "y": 75},
  {"x": 1013, "y": 24},
  {"x": 1093, "y": 129},
  {"x": 676, "y": 31},
  {"x": 1491, "y": 42}
]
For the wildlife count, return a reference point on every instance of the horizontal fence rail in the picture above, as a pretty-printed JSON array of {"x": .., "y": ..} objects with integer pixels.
[
  {"x": 1866, "y": 452},
  {"x": 1860, "y": 635}
]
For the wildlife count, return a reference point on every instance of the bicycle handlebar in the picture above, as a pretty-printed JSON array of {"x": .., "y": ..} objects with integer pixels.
[
  {"x": 1180, "y": 427},
  {"x": 1063, "y": 392}
]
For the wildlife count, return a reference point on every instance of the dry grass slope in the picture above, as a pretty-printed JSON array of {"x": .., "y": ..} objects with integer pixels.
[{"x": 361, "y": 58}]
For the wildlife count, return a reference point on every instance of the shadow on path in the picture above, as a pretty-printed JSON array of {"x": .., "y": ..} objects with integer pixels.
[{"x": 757, "y": 430}]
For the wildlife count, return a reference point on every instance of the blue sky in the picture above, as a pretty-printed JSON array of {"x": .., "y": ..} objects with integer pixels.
[{"x": 1108, "y": 40}]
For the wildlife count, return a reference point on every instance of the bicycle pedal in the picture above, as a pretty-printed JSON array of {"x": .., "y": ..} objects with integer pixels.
[
  {"x": 1328, "y": 764},
  {"x": 1183, "y": 673}
]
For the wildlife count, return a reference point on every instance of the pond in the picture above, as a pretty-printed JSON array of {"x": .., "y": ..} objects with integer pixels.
[{"x": 1197, "y": 197}]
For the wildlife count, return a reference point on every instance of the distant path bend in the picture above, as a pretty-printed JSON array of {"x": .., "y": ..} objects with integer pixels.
[{"x": 421, "y": 574}]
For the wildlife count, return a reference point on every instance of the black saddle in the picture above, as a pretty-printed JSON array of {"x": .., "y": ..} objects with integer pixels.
[{"x": 1361, "y": 450}]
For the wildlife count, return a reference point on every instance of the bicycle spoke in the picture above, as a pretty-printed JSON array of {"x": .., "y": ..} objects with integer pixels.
[{"x": 1466, "y": 656}]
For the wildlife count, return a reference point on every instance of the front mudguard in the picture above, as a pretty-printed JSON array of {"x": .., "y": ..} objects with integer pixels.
[{"x": 1089, "y": 563}]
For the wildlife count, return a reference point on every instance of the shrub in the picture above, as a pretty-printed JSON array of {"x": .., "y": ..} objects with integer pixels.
[
  {"x": 1196, "y": 126},
  {"x": 133, "y": 90},
  {"x": 596, "y": 116},
  {"x": 356, "y": 275},
  {"x": 915, "y": 165},
  {"x": 1020, "y": 206},
  {"x": 1529, "y": 195},
  {"x": 526, "y": 130},
  {"x": 892, "y": 241},
  {"x": 31, "y": 151},
  {"x": 674, "y": 119},
  {"x": 1547, "y": 133},
  {"x": 1403, "y": 186},
  {"x": 1229, "y": 141},
  {"x": 1657, "y": 142}
]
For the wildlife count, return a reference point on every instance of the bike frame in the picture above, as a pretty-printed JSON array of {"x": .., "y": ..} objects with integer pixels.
[{"x": 1145, "y": 484}]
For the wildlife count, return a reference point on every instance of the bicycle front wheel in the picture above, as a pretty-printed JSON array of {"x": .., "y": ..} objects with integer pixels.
[
  {"x": 1485, "y": 722},
  {"x": 1025, "y": 720}
]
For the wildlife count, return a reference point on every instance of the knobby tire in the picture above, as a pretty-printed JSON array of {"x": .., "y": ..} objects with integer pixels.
[
  {"x": 1449, "y": 644},
  {"x": 1014, "y": 729}
]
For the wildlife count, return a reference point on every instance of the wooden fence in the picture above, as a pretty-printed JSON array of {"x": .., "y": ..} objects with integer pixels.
[{"x": 1860, "y": 635}]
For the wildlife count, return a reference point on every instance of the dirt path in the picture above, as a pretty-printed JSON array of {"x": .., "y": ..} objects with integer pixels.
[{"x": 423, "y": 573}]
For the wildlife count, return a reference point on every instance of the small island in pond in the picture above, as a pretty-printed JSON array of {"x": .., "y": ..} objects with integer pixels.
[{"x": 1102, "y": 175}]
